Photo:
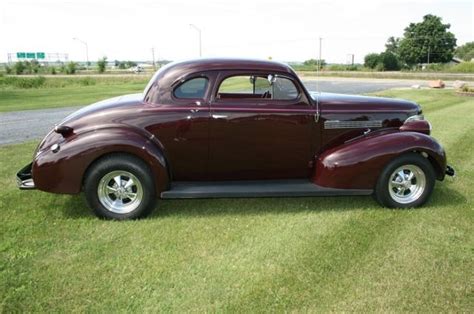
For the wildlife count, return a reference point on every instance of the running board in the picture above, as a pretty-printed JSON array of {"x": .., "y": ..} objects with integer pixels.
[{"x": 273, "y": 188}]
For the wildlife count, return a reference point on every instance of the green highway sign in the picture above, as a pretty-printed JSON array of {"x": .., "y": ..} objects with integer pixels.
[{"x": 31, "y": 55}]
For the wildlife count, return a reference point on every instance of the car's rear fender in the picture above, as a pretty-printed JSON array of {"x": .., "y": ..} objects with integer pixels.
[
  {"x": 357, "y": 164},
  {"x": 63, "y": 171}
]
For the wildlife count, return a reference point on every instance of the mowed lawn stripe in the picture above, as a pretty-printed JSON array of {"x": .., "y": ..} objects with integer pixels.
[{"x": 316, "y": 279}]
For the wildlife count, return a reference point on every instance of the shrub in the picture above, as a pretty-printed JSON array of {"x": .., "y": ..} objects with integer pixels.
[
  {"x": 8, "y": 70},
  {"x": 371, "y": 60},
  {"x": 34, "y": 66},
  {"x": 101, "y": 64},
  {"x": 19, "y": 67},
  {"x": 390, "y": 61},
  {"x": 71, "y": 67}
]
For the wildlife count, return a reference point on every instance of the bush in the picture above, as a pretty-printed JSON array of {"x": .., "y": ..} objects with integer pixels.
[
  {"x": 101, "y": 64},
  {"x": 19, "y": 67},
  {"x": 371, "y": 60},
  {"x": 8, "y": 70},
  {"x": 390, "y": 61},
  {"x": 386, "y": 61},
  {"x": 34, "y": 66},
  {"x": 71, "y": 68}
]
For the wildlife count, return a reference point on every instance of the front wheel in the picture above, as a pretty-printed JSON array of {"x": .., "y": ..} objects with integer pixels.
[
  {"x": 120, "y": 187},
  {"x": 405, "y": 182}
]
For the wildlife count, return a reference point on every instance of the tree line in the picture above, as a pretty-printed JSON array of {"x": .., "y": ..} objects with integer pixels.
[{"x": 428, "y": 41}]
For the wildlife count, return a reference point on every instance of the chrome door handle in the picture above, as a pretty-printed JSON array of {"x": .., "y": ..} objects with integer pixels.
[
  {"x": 198, "y": 103},
  {"x": 194, "y": 110},
  {"x": 219, "y": 116}
]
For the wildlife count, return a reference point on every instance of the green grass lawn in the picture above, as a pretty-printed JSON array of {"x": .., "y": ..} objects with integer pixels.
[
  {"x": 258, "y": 255},
  {"x": 14, "y": 99}
]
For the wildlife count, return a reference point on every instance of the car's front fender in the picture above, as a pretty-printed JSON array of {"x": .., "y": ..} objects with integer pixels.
[
  {"x": 357, "y": 164},
  {"x": 63, "y": 171}
]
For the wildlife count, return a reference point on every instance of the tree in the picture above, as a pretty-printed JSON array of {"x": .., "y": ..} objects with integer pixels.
[
  {"x": 427, "y": 41},
  {"x": 392, "y": 45},
  {"x": 466, "y": 51},
  {"x": 371, "y": 60},
  {"x": 101, "y": 64}
]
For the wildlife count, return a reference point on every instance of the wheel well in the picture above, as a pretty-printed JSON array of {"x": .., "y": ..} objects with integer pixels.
[
  {"x": 436, "y": 167},
  {"x": 109, "y": 155}
]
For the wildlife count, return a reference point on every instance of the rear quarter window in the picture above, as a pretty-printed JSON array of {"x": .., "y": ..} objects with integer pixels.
[{"x": 192, "y": 88}]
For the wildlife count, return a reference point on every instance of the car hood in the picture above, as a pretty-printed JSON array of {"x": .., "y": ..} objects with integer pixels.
[
  {"x": 103, "y": 106},
  {"x": 356, "y": 102}
]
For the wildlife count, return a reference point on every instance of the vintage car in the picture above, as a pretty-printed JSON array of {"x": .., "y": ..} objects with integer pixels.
[{"x": 237, "y": 128}]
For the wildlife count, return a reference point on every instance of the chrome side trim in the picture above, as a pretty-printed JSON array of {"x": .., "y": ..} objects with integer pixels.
[{"x": 336, "y": 124}]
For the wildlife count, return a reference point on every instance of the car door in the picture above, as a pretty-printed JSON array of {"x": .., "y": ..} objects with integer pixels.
[
  {"x": 182, "y": 126},
  {"x": 257, "y": 134}
]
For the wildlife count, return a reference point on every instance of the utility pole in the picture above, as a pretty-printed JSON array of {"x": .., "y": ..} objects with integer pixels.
[
  {"x": 87, "y": 51},
  {"x": 153, "y": 56},
  {"x": 200, "y": 41},
  {"x": 318, "y": 63},
  {"x": 352, "y": 59},
  {"x": 320, "y": 49}
]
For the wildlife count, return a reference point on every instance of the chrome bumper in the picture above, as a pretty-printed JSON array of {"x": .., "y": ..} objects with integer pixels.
[
  {"x": 24, "y": 179},
  {"x": 450, "y": 171}
]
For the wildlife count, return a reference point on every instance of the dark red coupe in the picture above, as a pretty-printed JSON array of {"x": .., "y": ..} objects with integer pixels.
[{"x": 237, "y": 128}]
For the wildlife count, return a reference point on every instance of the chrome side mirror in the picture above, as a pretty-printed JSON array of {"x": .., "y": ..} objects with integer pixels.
[{"x": 271, "y": 79}]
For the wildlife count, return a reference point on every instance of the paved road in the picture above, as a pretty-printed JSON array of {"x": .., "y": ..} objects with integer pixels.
[{"x": 21, "y": 126}]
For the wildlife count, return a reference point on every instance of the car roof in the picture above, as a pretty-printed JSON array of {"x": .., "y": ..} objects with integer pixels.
[{"x": 211, "y": 64}]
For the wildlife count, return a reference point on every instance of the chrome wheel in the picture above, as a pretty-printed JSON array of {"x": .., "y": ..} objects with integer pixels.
[
  {"x": 406, "y": 184},
  {"x": 120, "y": 192}
]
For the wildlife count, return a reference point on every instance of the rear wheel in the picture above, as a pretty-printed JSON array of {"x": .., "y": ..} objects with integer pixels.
[
  {"x": 120, "y": 187},
  {"x": 405, "y": 182}
]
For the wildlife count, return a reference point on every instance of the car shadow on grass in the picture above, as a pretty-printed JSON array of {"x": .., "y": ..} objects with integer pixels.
[{"x": 76, "y": 206}]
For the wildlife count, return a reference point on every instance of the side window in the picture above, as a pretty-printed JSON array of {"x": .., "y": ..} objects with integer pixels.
[
  {"x": 284, "y": 89},
  {"x": 257, "y": 86},
  {"x": 193, "y": 88}
]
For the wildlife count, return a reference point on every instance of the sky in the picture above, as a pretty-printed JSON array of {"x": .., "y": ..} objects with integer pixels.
[{"x": 283, "y": 30}]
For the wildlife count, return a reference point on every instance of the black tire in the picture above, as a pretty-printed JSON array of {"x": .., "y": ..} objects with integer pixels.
[
  {"x": 128, "y": 168},
  {"x": 387, "y": 195}
]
